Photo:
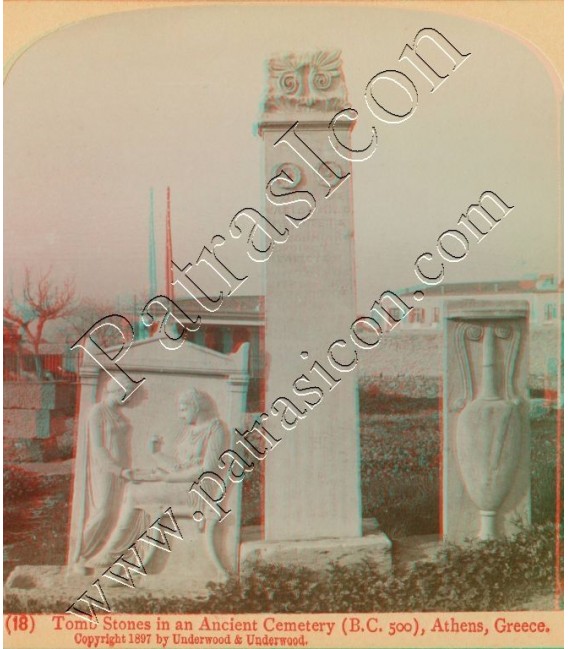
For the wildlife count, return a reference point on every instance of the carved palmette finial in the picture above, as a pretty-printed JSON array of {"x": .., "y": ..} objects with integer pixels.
[{"x": 306, "y": 82}]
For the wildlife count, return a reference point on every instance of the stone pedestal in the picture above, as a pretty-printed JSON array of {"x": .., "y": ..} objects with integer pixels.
[
  {"x": 486, "y": 484},
  {"x": 38, "y": 418},
  {"x": 29, "y": 395},
  {"x": 312, "y": 498},
  {"x": 27, "y": 409},
  {"x": 318, "y": 554}
]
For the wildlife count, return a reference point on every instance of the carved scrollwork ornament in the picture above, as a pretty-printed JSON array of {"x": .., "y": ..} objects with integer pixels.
[
  {"x": 332, "y": 179},
  {"x": 503, "y": 332},
  {"x": 474, "y": 332},
  {"x": 291, "y": 170},
  {"x": 471, "y": 332}
]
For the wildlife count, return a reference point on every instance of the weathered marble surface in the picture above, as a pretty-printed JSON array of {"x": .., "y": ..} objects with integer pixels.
[
  {"x": 317, "y": 554},
  {"x": 151, "y": 413},
  {"x": 486, "y": 454},
  {"x": 312, "y": 487}
]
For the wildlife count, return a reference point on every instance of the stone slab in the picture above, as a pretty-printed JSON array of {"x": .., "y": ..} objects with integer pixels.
[
  {"x": 318, "y": 554},
  {"x": 29, "y": 396},
  {"x": 65, "y": 397},
  {"x": 18, "y": 450},
  {"x": 60, "y": 423},
  {"x": 488, "y": 462},
  {"x": 152, "y": 417},
  {"x": 26, "y": 423}
]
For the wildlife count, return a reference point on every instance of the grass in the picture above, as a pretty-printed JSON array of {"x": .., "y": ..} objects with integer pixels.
[
  {"x": 36, "y": 516},
  {"x": 400, "y": 471},
  {"x": 544, "y": 454}
]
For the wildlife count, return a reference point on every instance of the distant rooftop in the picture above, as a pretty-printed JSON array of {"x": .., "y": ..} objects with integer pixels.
[
  {"x": 540, "y": 284},
  {"x": 250, "y": 307}
]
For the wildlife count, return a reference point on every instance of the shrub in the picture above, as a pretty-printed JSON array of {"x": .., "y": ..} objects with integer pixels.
[
  {"x": 36, "y": 511},
  {"x": 480, "y": 575},
  {"x": 19, "y": 484}
]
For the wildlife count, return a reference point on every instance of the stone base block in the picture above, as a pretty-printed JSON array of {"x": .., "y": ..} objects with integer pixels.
[
  {"x": 26, "y": 423},
  {"x": 28, "y": 395},
  {"x": 60, "y": 424},
  {"x": 185, "y": 571},
  {"x": 17, "y": 450},
  {"x": 319, "y": 554},
  {"x": 411, "y": 550},
  {"x": 54, "y": 585}
]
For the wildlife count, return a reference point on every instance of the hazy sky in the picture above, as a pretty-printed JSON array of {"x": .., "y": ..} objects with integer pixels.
[{"x": 100, "y": 112}]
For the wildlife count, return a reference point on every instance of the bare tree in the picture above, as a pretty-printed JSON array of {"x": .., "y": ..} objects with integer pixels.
[
  {"x": 41, "y": 302},
  {"x": 85, "y": 315}
]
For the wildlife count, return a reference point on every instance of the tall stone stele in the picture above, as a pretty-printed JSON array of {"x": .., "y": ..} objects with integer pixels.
[
  {"x": 312, "y": 478},
  {"x": 486, "y": 424}
]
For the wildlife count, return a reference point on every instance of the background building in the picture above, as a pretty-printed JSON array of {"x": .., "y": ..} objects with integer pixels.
[
  {"x": 413, "y": 351},
  {"x": 544, "y": 295},
  {"x": 239, "y": 320}
]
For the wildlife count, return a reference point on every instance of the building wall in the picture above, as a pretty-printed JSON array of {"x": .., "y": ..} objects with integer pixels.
[
  {"x": 545, "y": 307},
  {"x": 418, "y": 353}
]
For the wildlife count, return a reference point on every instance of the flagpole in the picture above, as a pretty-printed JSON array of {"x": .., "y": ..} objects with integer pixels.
[
  {"x": 169, "y": 252},
  {"x": 153, "y": 280}
]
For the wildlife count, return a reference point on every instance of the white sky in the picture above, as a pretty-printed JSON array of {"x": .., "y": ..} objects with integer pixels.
[{"x": 100, "y": 112}]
